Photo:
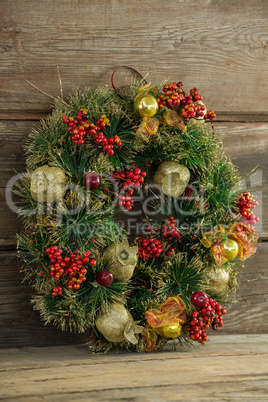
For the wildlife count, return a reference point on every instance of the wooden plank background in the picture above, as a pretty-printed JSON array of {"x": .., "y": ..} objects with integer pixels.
[{"x": 219, "y": 46}]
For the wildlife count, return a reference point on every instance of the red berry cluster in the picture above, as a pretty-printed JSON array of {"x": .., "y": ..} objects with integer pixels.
[
  {"x": 245, "y": 204},
  {"x": 171, "y": 251},
  {"x": 149, "y": 248},
  {"x": 191, "y": 105},
  {"x": 210, "y": 115},
  {"x": 80, "y": 127},
  {"x": 170, "y": 231},
  {"x": 57, "y": 291},
  {"x": 195, "y": 94},
  {"x": 108, "y": 144},
  {"x": 128, "y": 179},
  {"x": 211, "y": 313},
  {"x": 192, "y": 109},
  {"x": 71, "y": 265},
  {"x": 174, "y": 94}
]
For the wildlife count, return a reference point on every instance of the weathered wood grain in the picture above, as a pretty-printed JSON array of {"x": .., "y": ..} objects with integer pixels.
[
  {"x": 21, "y": 326},
  {"x": 230, "y": 368},
  {"x": 221, "y": 47}
]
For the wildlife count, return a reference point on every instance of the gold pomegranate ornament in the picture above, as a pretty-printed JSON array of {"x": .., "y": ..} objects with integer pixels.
[
  {"x": 172, "y": 178},
  {"x": 48, "y": 184},
  {"x": 117, "y": 325},
  {"x": 219, "y": 281},
  {"x": 121, "y": 259}
]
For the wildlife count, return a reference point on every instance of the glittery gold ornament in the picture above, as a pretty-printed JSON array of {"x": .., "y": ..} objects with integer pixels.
[
  {"x": 230, "y": 249},
  {"x": 172, "y": 178},
  {"x": 121, "y": 260},
  {"x": 145, "y": 105},
  {"x": 48, "y": 184},
  {"x": 170, "y": 331},
  {"x": 117, "y": 325},
  {"x": 219, "y": 281}
]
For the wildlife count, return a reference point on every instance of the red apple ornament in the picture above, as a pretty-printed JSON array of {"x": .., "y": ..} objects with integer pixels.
[
  {"x": 105, "y": 278},
  {"x": 199, "y": 299},
  {"x": 91, "y": 180}
]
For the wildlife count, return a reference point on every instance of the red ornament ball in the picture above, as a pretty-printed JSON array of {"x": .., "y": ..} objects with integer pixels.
[
  {"x": 199, "y": 299},
  {"x": 91, "y": 180},
  {"x": 105, "y": 278}
]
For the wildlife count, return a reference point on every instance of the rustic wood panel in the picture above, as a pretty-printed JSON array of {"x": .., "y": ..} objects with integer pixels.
[
  {"x": 230, "y": 368},
  {"x": 221, "y": 47},
  {"x": 21, "y": 326},
  {"x": 245, "y": 143}
]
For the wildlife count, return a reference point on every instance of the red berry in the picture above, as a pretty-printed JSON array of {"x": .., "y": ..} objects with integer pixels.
[
  {"x": 199, "y": 299},
  {"x": 92, "y": 180},
  {"x": 105, "y": 278}
]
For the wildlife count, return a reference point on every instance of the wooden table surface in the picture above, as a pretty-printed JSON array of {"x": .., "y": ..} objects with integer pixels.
[{"x": 227, "y": 368}]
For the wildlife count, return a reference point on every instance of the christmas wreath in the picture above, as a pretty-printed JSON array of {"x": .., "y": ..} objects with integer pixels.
[{"x": 106, "y": 150}]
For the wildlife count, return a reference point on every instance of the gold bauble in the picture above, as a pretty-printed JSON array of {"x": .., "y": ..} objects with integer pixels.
[
  {"x": 170, "y": 331},
  {"x": 145, "y": 105},
  {"x": 172, "y": 178},
  {"x": 230, "y": 249},
  {"x": 117, "y": 325},
  {"x": 121, "y": 260},
  {"x": 48, "y": 184}
]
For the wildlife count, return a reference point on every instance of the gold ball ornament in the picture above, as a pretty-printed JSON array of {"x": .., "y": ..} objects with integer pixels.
[
  {"x": 230, "y": 249},
  {"x": 48, "y": 184},
  {"x": 121, "y": 259},
  {"x": 172, "y": 178},
  {"x": 145, "y": 105},
  {"x": 170, "y": 331},
  {"x": 117, "y": 325}
]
